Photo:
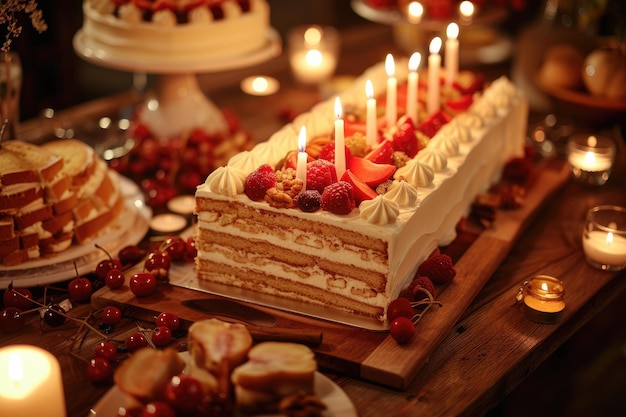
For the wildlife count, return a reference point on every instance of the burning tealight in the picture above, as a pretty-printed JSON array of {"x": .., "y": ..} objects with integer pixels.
[
  {"x": 542, "y": 297},
  {"x": 604, "y": 237},
  {"x": 182, "y": 204},
  {"x": 313, "y": 53},
  {"x": 168, "y": 223},
  {"x": 590, "y": 158},
  {"x": 259, "y": 85}
]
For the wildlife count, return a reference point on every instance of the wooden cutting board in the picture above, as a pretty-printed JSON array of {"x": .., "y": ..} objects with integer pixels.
[{"x": 374, "y": 355}]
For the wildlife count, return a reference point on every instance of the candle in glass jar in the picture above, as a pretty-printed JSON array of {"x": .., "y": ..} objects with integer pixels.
[
  {"x": 340, "y": 148},
  {"x": 392, "y": 91},
  {"x": 370, "y": 116},
  {"x": 589, "y": 161},
  {"x": 452, "y": 53},
  {"x": 312, "y": 66},
  {"x": 302, "y": 157},
  {"x": 412, "y": 87},
  {"x": 543, "y": 299},
  {"x": 434, "y": 65},
  {"x": 30, "y": 383},
  {"x": 605, "y": 248}
]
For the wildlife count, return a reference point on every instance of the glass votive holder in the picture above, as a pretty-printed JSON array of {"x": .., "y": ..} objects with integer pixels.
[
  {"x": 590, "y": 158},
  {"x": 604, "y": 237},
  {"x": 313, "y": 53},
  {"x": 542, "y": 297}
]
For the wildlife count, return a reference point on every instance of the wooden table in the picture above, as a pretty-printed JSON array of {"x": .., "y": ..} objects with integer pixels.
[{"x": 491, "y": 349}]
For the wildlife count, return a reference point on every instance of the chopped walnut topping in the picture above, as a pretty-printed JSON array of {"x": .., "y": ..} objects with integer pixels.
[
  {"x": 287, "y": 182},
  {"x": 279, "y": 199},
  {"x": 400, "y": 159},
  {"x": 383, "y": 187},
  {"x": 301, "y": 404}
]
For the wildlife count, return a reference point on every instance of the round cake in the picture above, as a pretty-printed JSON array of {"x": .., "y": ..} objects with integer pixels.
[{"x": 176, "y": 29}]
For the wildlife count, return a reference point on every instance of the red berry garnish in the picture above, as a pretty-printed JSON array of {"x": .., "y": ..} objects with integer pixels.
[
  {"x": 419, "y": 289},
  {"x": 106, "y": 350},
  {"x": 111, "y": 315},
  {"x": 54, "y": 315},
  {"x": 309, "y": 201},
  {"x": 169, "y": 320},
  {"x": 338, "y": 198},
  {"x": 143, "y": 284},
  {"x": 135, "y": 342},
  {"x": 320, "y": 174},
  {"x": 79, "y": 289},
  {"x": 184, "y": 394},
  {"x": 400, "y": 307},
  {"x": 20, "y": 298},
  {"x": 404, "y": 138},
  {"x": 158, "y": 263},
  {"x": 438, "y": 268},
  {"x": 402, "y": 330},
  {"x": 114, "y": 279},
  {"x": 11, "y": 319},
  {"x": 106, "y": 264},
  {"x": 259, "y": 181},
  {"x": 176, "y": 247},
  {"x": 99, "y": 370},
  {"x": 161, "y": 336}
]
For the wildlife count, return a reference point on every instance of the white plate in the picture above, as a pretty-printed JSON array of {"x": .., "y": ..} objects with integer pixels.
[
  {"x": 128, "y": 229},
  {"x": 102, "y": 55},
  {"x": 338, "y": 404}
]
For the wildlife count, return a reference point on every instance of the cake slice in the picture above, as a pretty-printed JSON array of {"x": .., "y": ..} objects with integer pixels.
[
  {"x": 15, "y": 170},
  {"x": 48, "y": 164}
]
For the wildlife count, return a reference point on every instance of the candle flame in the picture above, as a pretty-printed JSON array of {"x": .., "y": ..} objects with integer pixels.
[
  {"x": 590, "y": 158},
  {"x": 338, "y": 109},
  {"x": 302, "y": 139},
  {"x": 414, "y": 61},
  {"x": 544, "y": 286},
  {"x": 592, "y": 141},
  {"x": 369, "y": 89},
  {"x": 609, "y": 238},
  {"x": 313, "y": 36},
  {"x": 435, "y": 45},
  {"x": 452, "y": 31},
  {"x": 16, "y": 368},
  {"x": 390, "y": 66},
  {"x": 259, "y": 84},
  {"x": 314, "y": 58},
  {"x": 415, "y": 10},
  {"x": 466, "y": 8}
]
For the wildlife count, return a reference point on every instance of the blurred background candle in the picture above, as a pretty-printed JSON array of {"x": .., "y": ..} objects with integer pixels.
[
  {"x": 604, "y": 237},
  {"x": 371, "y": 130},
  {"x": 391, "y": 112},
  {"x": 412, "y": 87},
  {"x": 590, "y": 158},
  {"x": 302, "y": 157},
  {"x": 259, "y": 85},
  {"x": 452, "y": 53},
  {"x": 434, "y": 65},
  {"x": 313, "y": 53},
  {"x": 30, "y": 383},
  {"x": 340, "y": 148}
]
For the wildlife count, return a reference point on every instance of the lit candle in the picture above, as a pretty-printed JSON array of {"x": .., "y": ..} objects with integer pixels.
[
  {"x": 370, "y": 128},
  {"x": 340, "y": 148},
  {"x": 434, "y": 64},
  {"x": 30, "y": 383},
  {"x": 605, "y": 248},
  {"x": 412, "y": 87},
  {"x": 414, "y": 12},
  {"x": 452, "y": 53},
  {"x": 167, "y": 223},
  {"x": 543, "y": 299},
  {"x": 302, "y": 157},
  {"x": 259, "y": 85},
  {"x": 392, "y": 92},
  {"x": 590, "y": 158},
  {"x": 182, "y": 204},
  {"x": 312, "y": 66}
]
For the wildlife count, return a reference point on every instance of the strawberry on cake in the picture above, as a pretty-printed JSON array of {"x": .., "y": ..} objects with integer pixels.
[{"x": 354, "y": 242}]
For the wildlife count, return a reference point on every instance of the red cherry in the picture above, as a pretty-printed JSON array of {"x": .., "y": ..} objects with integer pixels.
[
  {"x": 142, "y": 284},
  {"x": 400, "y": 307},
  {"x": 11, "y": 320},
  {"x": 135, "y": 342},
  {"x": 99, "y": 370},
  {"x": 111, "y": 315},
  {"x": 131, "y": 254},
  {"x": 114, "y": 279},
  {"x": 20, "y": 298},
  {"x": 79, "y": 289},
  {"x": 158, "y": 263},
  {"x": 176, "y": 247},
  {"x": 169, "y": 320},
  {"x": 158, "y": 409},
  {"x": 402, "y": 330},
  {"x": 107, "y": 264},
  {"x": 54, "y": 315},
  {"x": 184, "y": 393},
  {"x": 106, "y": 350},
  {"x": 191, "y": 250},
  {"x": 161, "y": 336}
]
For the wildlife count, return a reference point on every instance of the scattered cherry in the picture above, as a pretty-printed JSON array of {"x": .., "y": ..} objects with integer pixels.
[
  {"x": 135, "y": 342},
  {"x": 114, "y": 279},
  {"x": 184, "y": 393},
  {"x": 191, "y": 250},
  {"x": 161, "y": 336},
  {"x": 111, "y": 315},
  {"x": 11, "y": 319},
  {"x": 176, "y": 247},
  {"x": 400, "y": 307},
  {"x": 54, "y": 315},
  {"x": 158, "y": 263},
  {"x": 169, "y": 320},
  {"x": 79, "y": 289},
  {"x": 142, "y": 284},
  {"x": 131, "y": 254},
  {"x": 106, "y": 264},
  {"x": 402, "y": 329},
  {"x": 106, "y": 350},
  {"x": 20, "y": 298},
  {"x": 99, "y": 370},
  {"x": 158, "y": 409}
]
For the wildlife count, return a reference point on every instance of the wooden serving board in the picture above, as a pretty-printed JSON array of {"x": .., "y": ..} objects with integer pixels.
[{"x": 374, "y": 355}]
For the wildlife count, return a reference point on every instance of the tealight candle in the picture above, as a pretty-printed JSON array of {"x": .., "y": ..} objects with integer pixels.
[
  {"x": 434, "y": 65},
  {"x": 542, "y": 296},
  {"x": 391, "y": 112},
  {"x": 302, "y": 158},
  {"x": 340, "y": 147},
  {"x": 412, "y": 87},
  {"x": 590, "y": 158},
  {"x": 371, "y": 131},
  {"x": 259, "y": 85},
  {"x": 604, "y": 237},
  {"x": 452, "y": 53},
  {"x": 30, "y": 382},
  {"x": 182, "y": 204},
  {"x": 313, "y": 53},
  {"x": 167, "y": 223}
]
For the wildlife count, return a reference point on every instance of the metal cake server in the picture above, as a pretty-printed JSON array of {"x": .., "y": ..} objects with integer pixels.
[{"x": 232, "y": 309}]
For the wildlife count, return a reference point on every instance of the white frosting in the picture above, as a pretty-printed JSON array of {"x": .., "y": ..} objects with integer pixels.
[
  {"x": 245, "y": 161},
  {"x": 446, "y": 143},
  {"x": 225, "y": 181},
  {"x": 457, "y": 130},
  {"x": 379, "y": 210},
  {"x": 402, "y": 193},
  {"x": 434, "y": 158}
]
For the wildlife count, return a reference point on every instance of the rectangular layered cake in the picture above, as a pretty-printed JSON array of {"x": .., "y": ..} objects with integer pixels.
[{"x": 360, "y": 261}]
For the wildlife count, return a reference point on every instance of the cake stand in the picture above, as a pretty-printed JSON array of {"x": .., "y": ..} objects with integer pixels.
[{"x": 177, "y": 104}]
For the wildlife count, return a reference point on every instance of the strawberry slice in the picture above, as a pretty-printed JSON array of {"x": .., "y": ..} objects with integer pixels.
[
  {"x": 431, "y": 126},
  {"x": 382, "y": 154},
  {"x": 368, "y": 172},
  {"x": 458, "y": 105},
  {"x": 468, "y": 82},
  {"x": 351, "y": 127},
  {"x": 404, "y": 138},
  {"x": 362, "y": 191}
]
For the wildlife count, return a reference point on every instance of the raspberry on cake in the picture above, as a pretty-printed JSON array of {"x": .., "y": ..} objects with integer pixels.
[{"x": 343, "y": 256}]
